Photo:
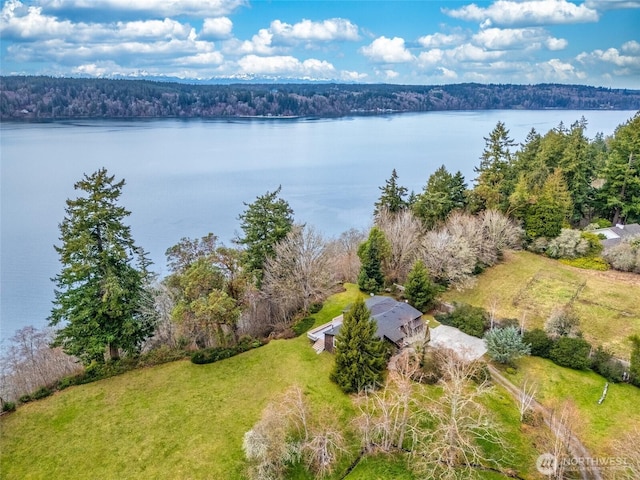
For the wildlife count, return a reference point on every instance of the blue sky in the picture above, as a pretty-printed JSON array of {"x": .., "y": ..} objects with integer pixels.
[{"x": 593, "y": 42}]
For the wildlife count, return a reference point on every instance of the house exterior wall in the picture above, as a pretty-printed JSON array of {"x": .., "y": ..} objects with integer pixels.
[{"x": 328, "y": 343}]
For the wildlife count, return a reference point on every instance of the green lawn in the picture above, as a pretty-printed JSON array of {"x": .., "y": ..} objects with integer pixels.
[
  {"x": 186, "y": 421},
  {"x": 606, "y": 302},
  {"x": 599, "y": 425}
]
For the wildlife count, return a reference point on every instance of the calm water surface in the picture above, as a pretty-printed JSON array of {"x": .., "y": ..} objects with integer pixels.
[{"x": 188, "y": 178}]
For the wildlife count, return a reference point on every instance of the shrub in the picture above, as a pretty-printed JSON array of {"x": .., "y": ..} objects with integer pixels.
[
  {"x": 571, "y": 352},
  {"x": 563, "y": 322},
  {"x": 587, "y": 263},
  {"x": 9, "y": 407},
  {"x": 303, "y": 325},
  {"x": 315, "y": 307},
  {"x": 603, "y": 363},
  {"x": 42, "y": 392},
  {"x": 625, "y": 256},
  {"x": 569, "y": 244},
  {"x": 469, "y": 319},
  {"x": 26, "y": 398},
  {"x": 211, "y": 355},
  {"x": 430, "y": 367},
  {"x": 540, "y": 342},
  {"x": 504, "y": 345}
]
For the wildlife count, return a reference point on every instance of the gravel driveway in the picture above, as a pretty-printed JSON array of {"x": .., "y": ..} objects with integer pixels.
[{"x": 467, "y": 346}]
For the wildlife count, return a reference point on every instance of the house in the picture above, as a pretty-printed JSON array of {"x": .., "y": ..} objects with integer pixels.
[
  {"x": 397, "y": 322},
  {"x": 614, "y": 235}
]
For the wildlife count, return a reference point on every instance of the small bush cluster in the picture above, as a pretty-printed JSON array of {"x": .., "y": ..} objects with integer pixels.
[
  {"x": 211, "y": 355},
  {"x": 8, "y": 407},
  {"x": 572, "y": 247},
  {"x": 576, "y": 353},
  {"x": 469, "y": 319},
  {"x": 625, "y": 256},
  {"x": 587, "y": 263},
  {"x": 303, "y": 325}
]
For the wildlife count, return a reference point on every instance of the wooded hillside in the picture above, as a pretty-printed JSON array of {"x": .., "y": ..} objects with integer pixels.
[{"x": 57, "y": 98}]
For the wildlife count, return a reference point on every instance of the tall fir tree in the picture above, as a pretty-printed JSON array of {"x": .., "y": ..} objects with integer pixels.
[
  {"x": 101, "y": 297},
  {"x": 265, "y": 222},
  {"x": 392, "y": 197},
  {"x": 360, "y": 354},
  {"x": 495, "y": 179},
  {"x": 551, "y": 210},
  {"x": 372, "y": 253}
]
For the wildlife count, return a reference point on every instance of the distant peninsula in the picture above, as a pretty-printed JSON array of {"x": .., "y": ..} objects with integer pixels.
[{"x": 39, "y": 98}]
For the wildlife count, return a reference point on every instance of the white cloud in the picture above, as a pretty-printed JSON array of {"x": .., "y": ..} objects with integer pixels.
[
  {"x": 204, "y": 8},
  {"x": 441, "y": 40},
  {"x": 390, "y": 74},
  {"x": 327, "y": 30},
  {"x": 208, "y": 58},
  {"x": 612, "y": 4},
  {"x": 631, "y": 47},
  {"x": 556, "y": 70},
  {"x": 216, "y": 28},
  {"x": 282, "y": 65},
  {"x": 528, "y": 12},
  {"x": 351, "y": 76},
  {"x": 387, "y": 50},
  {"x": 473, "y": 53},
  {"x": 260, "y": 43},
  {"x": 19, "y": 21},
  {"x": 517, "y": 38},
  {"x": 431, "y": 58}
]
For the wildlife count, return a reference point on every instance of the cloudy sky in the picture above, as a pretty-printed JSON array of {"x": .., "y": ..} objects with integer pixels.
[{"x": 593, "y": 42}]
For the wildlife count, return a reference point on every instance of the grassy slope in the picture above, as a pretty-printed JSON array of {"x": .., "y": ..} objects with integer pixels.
[
  {"x": 599, "y": 425},
  {"x": 607, "y": 302},
  {"x": 186, "y": 421}
]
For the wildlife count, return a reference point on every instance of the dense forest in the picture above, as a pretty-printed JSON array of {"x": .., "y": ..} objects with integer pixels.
[{"x": 45, "y": 98}]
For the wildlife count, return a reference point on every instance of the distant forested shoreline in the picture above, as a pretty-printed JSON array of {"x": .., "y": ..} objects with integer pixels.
[{"x": 50, "y": 98}]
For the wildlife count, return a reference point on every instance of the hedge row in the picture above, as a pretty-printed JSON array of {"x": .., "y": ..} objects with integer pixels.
[{"x": 211, "y": 355}]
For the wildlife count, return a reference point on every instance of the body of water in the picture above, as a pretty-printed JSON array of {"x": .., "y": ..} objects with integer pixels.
[{"x": 188, "y": 178}]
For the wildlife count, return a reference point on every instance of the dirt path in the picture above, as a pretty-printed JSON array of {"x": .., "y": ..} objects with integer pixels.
[{"x": 588, "y": 469}]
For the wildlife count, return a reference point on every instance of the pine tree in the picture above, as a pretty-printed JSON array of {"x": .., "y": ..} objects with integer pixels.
[
  {"x": 100, "y": 295},
  {"x": 372, "y": 253},
  {"x": 547, "y": 215},
  {"x": 419, "y": 289},
  {"x": 392, "y": 197},
  {"x": 265, "y": 222},
  {"x": 360, "y": 354}
]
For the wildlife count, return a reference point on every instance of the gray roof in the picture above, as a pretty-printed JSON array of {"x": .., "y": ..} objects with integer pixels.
[
  {"x": 390, "y": 315},
  {"x": 616, "y": 234}
]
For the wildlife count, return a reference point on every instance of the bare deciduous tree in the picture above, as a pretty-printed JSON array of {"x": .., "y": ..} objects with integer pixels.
[
  {"x": 627, "y": 449},
  {"x": 299, "y": 273},
  {"x": 286, "y": 434},
  {"x": 526, "y": 398},
  {"x": 404, "y": 232},
  {"x": 29, "y": 362},
  {"x": 449, "y": 258},
  {"x": 343, "y": 254},
  {"x": 451, "y": 448}
]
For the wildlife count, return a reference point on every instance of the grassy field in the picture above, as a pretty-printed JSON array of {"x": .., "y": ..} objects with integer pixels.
[
  {"x": 185, "y": 421},
  {"x": 600, "y": 425},
  {"x": 526, "y": 284}
]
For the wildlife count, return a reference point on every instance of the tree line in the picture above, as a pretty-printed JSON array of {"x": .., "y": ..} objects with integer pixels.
[{"x": 46, "y": 98}]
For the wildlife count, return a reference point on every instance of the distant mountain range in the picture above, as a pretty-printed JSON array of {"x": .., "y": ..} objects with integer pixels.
[{"x": 47, "y": 98}]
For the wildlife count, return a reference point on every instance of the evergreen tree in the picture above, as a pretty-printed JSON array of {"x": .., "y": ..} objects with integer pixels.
[
  {"x": 100, "y": 295},
  {"x": 265, "y": 222},
  {"x": 360, "y": 354},
  {"x": 442, "y": 194},
  {"x": 505, "y": 345},
  {"x": 372, "y": 253},
  {"x": 619, "y": 198},
  {"x": 419, "y": 289},
  {"x": 547, "y": 215},
  {"x": 495, "y": 173},
  {"x": 392, "y": 197}
]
